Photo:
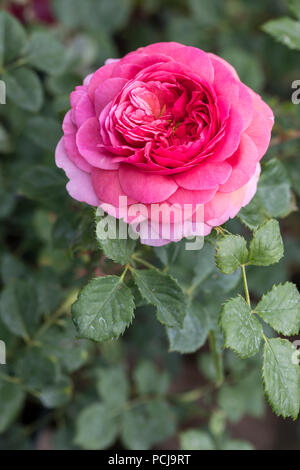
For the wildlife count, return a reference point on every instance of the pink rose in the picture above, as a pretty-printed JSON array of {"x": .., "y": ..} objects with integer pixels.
[{"x": 166, "y": 124}]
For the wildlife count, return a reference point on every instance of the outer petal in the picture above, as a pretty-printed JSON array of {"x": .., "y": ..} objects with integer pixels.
[
  {"x": 227, "y": 205},
  {"x": 145, "y": 187},
  {"x": 83, "y": 110},
  {"x": 230, "y": 142},
  {"x": 251, "y": 186},
  {"x": 111, "y": 61},
  {"x": 235, "y": 93},
  {"x": 150, "y": 242},
  {"x": 196, "y": 59},
  {"x": 80, "y": 185},
  {"x": 70, "y": 130},
  {"x": 243, "y": 163},
  {"x": 184, "y": 196},
  {"x": 261, "y": 126},
  {"x": 107, "y": 186},
  {"x": 87, "y": 79},
  {"x": 262, "y": 107},
  {"x": 216, "y": 208},
  {"x": 99, "y": 76},
  {"x": 245, "y": 105},
  {"x": 106, "y": 92},
  {"x": 231, "y": 69},
  {"x": 225, "y": 82},
  {"x": 205, "y": 176},
  {"x": 88, "y": 140}
]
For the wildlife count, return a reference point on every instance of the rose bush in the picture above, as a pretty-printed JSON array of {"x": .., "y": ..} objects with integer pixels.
[{"x": 166, "y": 124}]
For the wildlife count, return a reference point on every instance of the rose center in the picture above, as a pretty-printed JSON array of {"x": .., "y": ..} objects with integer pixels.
[{"x": 170, "y": 113}]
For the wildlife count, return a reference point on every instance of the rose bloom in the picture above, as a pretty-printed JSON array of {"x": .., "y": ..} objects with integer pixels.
[{"x": 170, "y": 125}]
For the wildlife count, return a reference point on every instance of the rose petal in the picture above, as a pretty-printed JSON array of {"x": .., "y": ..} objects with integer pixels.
[
  {"x": 230, "y": 68},
  {"x": 84, "y": 110},
  {"x": 145, "y": 187},
  {"x": 243, "y": 163},
  {"x": 196, "y": 59},
  {"x": 185, "y": 196},
  {"x": 99, "y": 76},
  {"x": 70, "y": 143},
  {"x": 80, "y": 185},
  {"x": 107, "y": 187},
  {"x": 204, "y": 176},
  {"x": 230, "y": 142},
  {"x": 261, "y": 126},
  {"x": 106, "y": 92},
  {"x": 88, "y": 138}
]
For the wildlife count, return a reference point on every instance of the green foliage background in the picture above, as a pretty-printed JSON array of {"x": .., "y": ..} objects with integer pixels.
[{"x": 136, "y": 392}]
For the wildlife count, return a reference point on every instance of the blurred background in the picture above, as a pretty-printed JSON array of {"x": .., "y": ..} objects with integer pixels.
[{"x": 48, "y": 251}]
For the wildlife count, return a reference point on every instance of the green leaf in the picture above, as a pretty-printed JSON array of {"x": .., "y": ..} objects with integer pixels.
[
  {"x": 231, "y": 253},
  {"x": 146, "y": 425},
  {"x": 205, "y": 264},
  {"x": 167, "y": 254},
  {"x": 36, "y": 369},
  {"x": 23, "y": 88},
  {"x": 11, "y": 400},
  {"x": 45, "y": 53},
  {"x": 294, "y": 6},
  {"x": 232, "y": 402},
  {"x": 113, "y": 386},
  {"x": 19, "y": 308},
  {"x": 149, "y": 381},
  {"x": 251, "y": 389},
  {"x": 118, "y": 249},
  {"x": 207, "y": 366},
  {"x": 161, "y": 290},
  {"x": 254, "y": 214},
  {"x": 43, "y": 184},
  {"x": 261, "y": 280},
  {"x": 274, "y": 189},
  {"x": 96, "y": 427},
  {"x": 43, "y": 131},
  {"x": 69, "y": 12},
  {"x": 57, "y": 395},
  {"x": 193, "y": 333},
  {"x": 266, "y": 246},
  {"x": 49, "y": 291},
  {"x": 281, "y": 377},
  {"x": 104, "y": 309},
  {"x": 11, "y": 268},
  {"x": 112, "y": 15},
  {"x": 245, "y": 397},
  {"x": 284, "y": 30},
  {"x": 193, "y": 439},
  {"x": 12, "y": 38},
  {"x": 61, "y": 344},
  {"x": 220, "y": 283},
  {"x": 91, "y": 15},
  {"x": 206, "y": 14},
  {"x": 243, "y": 332},
  {"x": 280, "y": 308}
]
